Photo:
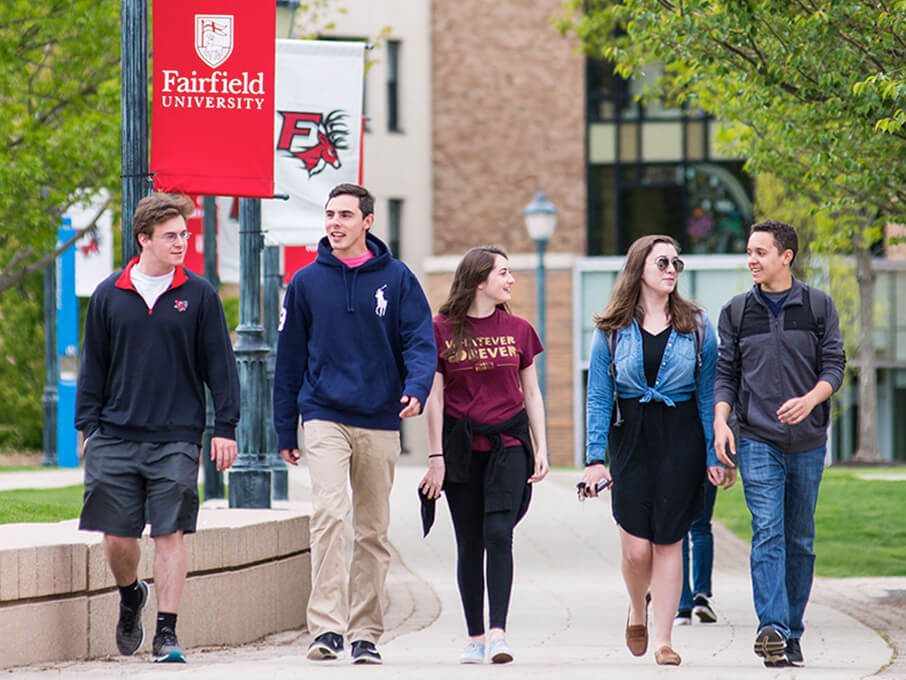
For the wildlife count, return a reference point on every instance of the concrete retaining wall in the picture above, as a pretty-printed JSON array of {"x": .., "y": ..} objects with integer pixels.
[{"x": 249, "y": 576}]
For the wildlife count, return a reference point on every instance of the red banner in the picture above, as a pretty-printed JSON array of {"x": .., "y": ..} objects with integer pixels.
[{"x": 212, "y": 129}]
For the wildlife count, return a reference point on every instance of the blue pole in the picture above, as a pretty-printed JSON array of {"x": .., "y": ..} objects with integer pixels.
[
  {"x": 67, "y": 350},
  {"x": 541, "y": 244}
]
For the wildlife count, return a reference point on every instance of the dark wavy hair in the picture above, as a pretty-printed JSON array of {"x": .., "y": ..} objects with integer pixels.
[
  {"x": 624, "y": 301},
  {"x": 473, "y": 269},
  {"x": 157, "y": 209}
]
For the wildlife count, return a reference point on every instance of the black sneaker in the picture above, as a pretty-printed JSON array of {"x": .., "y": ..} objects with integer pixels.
[
  {"x": 771, "y": 646},
  {"x": 365, "y": 652},
  {"x": 325, "y": 647},
  {"x": 683, "y": 617},
  {"x": 166, "y": 649},
  {"x": 129, "y": 631},
  {"x": 702, "y": 609},
  {"x": 793, "y": 651}
]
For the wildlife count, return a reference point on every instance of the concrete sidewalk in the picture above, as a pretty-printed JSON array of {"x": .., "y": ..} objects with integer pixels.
[{"x": 567, "y": 615}]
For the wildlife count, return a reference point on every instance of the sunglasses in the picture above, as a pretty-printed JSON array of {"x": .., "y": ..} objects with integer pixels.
[{"x": 663, "y": 261}]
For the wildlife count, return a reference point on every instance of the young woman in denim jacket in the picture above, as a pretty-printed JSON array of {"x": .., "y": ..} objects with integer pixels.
[{"x": 662, "y": 449}]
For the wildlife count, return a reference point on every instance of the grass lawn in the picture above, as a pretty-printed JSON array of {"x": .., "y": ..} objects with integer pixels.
[
  {"x": 21, "y": 468},
  {"x": 40, "y": 505},
  {"x": 860, "y": 525}
]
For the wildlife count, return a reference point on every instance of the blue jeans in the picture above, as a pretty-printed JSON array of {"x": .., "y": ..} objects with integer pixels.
[
  {"x": 702, "y": 552},
  {"x": 781, "y": 491}
]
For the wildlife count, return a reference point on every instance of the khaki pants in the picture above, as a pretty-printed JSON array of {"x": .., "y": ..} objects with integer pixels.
[{"x": 349, "y": 599}]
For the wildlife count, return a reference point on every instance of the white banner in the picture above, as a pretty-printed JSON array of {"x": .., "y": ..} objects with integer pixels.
[
  {"x": 317, "y": 134},
  {"x": 94, "y": 251}
]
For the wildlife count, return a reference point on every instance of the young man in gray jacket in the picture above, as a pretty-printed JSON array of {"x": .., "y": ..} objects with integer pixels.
[{"x": 781, "y": 358}]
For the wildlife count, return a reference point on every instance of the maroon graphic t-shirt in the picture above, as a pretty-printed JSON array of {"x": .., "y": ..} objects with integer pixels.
[{"x": 483, "y": 384}]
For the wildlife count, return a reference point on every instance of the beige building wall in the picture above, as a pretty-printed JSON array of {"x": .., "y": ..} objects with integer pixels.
[{"x": 508, "y": 118}]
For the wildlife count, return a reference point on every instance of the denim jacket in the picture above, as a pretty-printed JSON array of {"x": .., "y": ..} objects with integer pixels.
[{"x": 675, "y": 382}]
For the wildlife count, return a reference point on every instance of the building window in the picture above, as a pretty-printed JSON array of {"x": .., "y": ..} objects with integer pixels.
[
  {"x": 393, "y": 88},
  {"x": 654, "y": 170},
  {"x": 394, "y": 225}
]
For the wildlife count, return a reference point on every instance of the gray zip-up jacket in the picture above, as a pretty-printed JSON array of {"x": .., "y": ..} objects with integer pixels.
[{"x": 779, "y": 359}]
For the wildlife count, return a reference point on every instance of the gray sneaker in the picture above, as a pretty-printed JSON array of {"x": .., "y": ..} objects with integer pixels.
[
  {"x": 166, "y": 649},
  {"x": 771, "y": 646},
  {"x": 129, "y": 631}
]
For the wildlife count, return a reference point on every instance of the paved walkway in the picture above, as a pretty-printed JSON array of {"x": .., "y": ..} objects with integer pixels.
[{"x": 567, "y": 614}]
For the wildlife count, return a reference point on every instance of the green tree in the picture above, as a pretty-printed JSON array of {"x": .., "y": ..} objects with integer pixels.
[
  {"x": 814, "y": 93},
  {"x": 21, "y": 365},
  {"x": 59, "y": 120}
]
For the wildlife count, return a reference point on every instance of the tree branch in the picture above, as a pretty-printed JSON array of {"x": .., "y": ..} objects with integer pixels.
[{"x": 10, "y": 276}]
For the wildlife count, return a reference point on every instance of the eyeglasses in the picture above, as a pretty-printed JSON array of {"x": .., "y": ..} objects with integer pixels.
[
  {"x": 170, "y": 238},
  {"x": 663, "y": 262}
]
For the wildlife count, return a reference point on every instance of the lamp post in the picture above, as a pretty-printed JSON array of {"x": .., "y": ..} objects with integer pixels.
[
  {"x": 250, "y": 477},
  {"x": 286, "y": 17},
  {"x": 134, "y": 110},
  {"x": 213, "y": 478},
  {"x": 273, "y": 281},
  {"x": 50, "y": 398},
  {"x": 540, "y": 221}
]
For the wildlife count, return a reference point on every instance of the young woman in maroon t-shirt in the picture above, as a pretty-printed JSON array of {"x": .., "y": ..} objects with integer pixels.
[{"x": 484, "y": 401}]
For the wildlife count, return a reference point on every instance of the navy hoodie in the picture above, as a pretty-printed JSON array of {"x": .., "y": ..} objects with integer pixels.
[
  {"x": 352, "y": 342},
  {"x": 143, "y": 370}
]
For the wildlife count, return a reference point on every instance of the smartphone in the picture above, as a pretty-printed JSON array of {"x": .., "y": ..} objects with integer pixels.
[
  {"x": 732, "y": 457},
  {"x": 599, "y": 487}
]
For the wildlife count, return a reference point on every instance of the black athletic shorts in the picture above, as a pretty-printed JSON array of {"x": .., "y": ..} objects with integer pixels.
[{"x": 129, "y": 484}]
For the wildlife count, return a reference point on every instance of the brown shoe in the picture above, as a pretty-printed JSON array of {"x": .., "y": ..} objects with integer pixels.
[
  {"x": 665, "y": 656},
  {"x": 637, "y": 636}
]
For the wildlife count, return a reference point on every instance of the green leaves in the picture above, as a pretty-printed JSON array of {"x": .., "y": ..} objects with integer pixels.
[
  {"x": 821, "y": 92},
  {"x": 59, "y": 114}
]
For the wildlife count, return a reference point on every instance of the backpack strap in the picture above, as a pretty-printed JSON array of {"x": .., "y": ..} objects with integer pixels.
[
  {"x": 612, "y": 337},
  {"x": 819, "y": 314},
  {"x": 698, "y": 336},
  {"x": 819, "y": 309}
]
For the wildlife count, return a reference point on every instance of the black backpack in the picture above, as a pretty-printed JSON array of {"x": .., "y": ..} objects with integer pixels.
[
  {"x": 819, "y": 314},
  {"x": 698, "y": 335}
]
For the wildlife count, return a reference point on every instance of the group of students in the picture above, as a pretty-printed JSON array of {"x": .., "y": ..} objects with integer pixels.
[{"x": 358, "y": 350}]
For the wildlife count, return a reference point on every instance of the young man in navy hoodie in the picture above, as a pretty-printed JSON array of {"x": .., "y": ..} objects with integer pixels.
[
  {"x": 155, "y": 334},
  {"x": 355, "y": 354}
]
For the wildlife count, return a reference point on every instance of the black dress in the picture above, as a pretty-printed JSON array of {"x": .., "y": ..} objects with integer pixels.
[{"x": 657, "y": 460}]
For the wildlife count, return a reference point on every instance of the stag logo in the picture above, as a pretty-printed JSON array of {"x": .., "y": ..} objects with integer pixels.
[
  {"x": 213, "y": 38},
  {"x": 381, "y": 307},
  {"x": 325, "y": 137}
]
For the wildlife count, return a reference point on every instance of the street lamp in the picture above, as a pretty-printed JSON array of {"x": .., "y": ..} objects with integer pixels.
[{"x": 540, "y": 222}]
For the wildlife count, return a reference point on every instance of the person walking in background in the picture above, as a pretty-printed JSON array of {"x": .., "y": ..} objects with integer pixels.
[
  {"x": 652, "y": 403},
  {"x": 155, "y": 335},
  {"x": 781, "y": 358},
  {"x": 355, "y": 354},
  {"x": 484, "y": 401},
  {"x": 695, "y": 600}
]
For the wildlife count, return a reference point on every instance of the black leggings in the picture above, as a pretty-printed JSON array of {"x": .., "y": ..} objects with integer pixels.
[{"x": 478, "y": 533}]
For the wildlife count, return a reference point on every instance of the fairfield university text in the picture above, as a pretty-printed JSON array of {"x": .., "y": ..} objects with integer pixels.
[{"x": 217, "y": 91}]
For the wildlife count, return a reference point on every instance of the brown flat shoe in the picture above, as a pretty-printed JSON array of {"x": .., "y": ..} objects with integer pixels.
[
  {"x": 665, "y": 656},
  {"x": 637, "y": 636}
]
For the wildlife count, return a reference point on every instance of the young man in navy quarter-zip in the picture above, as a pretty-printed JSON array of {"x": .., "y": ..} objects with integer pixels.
[
  {"x": 355, "y": 354},
  {"x": 155, "y": 334},
  {"x": 780, "y": 359}
]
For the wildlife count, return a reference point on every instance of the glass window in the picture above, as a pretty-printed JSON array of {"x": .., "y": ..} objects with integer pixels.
[
  {"x": 719, "y": 207},
  {"x": 393, "y": 105},
  {"x": 394, "y": 225}
]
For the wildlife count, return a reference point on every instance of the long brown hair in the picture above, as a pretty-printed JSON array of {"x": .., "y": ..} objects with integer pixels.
[
  {"x": 624, "y": 301},
  {"x": 473, "y": 269}
]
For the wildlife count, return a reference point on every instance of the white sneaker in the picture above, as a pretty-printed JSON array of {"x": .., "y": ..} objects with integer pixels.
[
  {"x": 473, "y": 653},
  {"x": 499, "y": 651},
  {"x": 683, "y": 617}
]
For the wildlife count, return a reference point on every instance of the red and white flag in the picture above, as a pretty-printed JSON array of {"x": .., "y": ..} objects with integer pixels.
[
  {"x": 213, "y": 97},
  {"x": 317, "y": 134}
]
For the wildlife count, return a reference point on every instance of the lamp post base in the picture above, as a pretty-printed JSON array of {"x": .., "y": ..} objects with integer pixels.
[{"x": 250, "y": 488}]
